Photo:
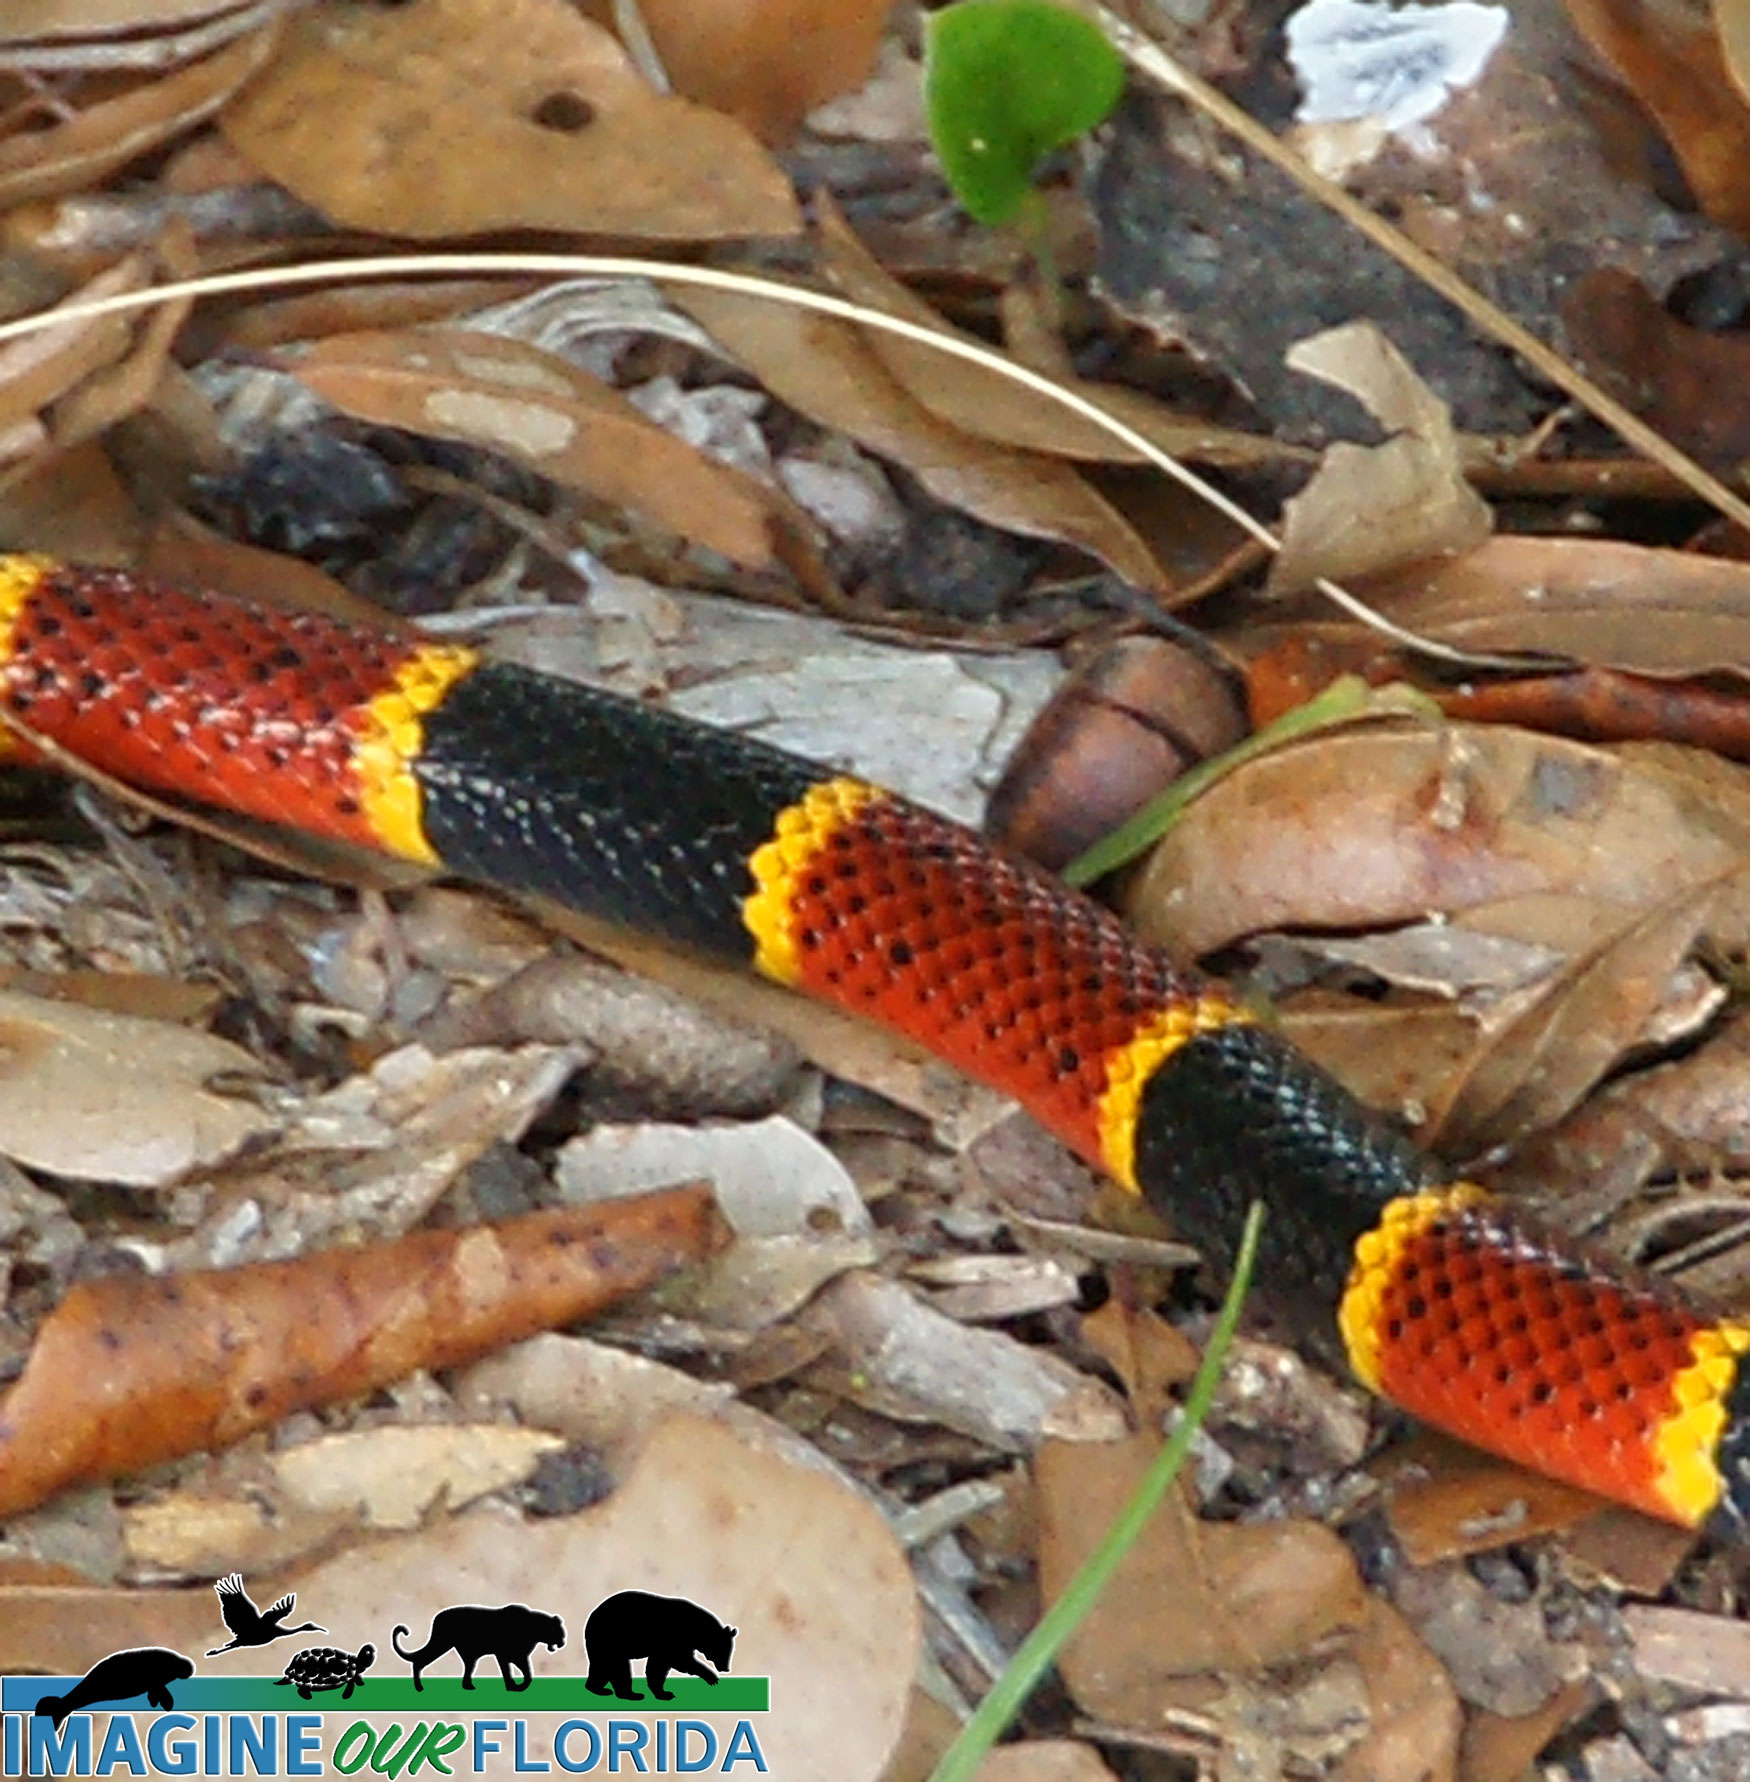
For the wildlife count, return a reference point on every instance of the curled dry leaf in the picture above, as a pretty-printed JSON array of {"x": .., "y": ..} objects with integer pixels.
[
  {"x": 86, "y": 1092},
  {"x": 456, "y": 117},
  {"x": 559, "y": 421},
  {"x": 1581, "y": 1023},
  {"x": 827, "y": 370},
  {"x": 39, "y": 370},
  {"x": 795, "y": 1210},
  {"x": 131, "y": 1370},
  {"x": 1369, "y": 509},
  {"x": 80, "y": 149},
  {"x": 667, "y": 1055}
]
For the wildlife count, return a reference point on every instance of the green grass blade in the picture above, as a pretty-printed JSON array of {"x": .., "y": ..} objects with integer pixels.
[{"x": 1039, "y": 1650}]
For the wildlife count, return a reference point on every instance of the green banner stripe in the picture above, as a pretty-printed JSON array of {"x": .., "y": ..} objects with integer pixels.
[{"x": 396, "y": 1695}]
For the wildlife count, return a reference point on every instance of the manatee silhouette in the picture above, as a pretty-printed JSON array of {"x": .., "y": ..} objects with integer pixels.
[{"x": 141, "y": 1670}]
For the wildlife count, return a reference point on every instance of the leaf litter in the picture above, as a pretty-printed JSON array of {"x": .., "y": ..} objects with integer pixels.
[{"x": 1518, "y": 925}]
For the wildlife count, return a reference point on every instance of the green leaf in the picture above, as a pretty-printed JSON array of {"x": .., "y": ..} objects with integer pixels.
[{"x": 1005, "y": 83}]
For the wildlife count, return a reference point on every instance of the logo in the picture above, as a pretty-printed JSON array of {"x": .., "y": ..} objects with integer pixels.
[{"x": 656, "y": 1699}]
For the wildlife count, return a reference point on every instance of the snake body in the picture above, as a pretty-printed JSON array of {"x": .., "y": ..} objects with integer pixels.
[{"x": 1442, "y": 1298}]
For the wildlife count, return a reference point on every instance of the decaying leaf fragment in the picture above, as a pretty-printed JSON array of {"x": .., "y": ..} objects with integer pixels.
[
  {"x": 89, "y": 1092},
  {"x": 1374, "y": 508},
  {"x": 130, "y": 1370}
]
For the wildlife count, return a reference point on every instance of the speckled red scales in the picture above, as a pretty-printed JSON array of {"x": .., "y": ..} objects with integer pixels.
[{"x": 1445, "y": 1302}]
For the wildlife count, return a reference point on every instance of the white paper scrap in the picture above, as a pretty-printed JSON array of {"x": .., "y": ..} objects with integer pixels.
[{"x": 1396, "y": 65}]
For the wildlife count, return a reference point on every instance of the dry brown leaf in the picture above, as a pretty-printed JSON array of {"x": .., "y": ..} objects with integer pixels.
[
  {"x": 144, "y": 372},
  {"x": 1595, "y": 600},
  {"x": 1672, "y": 61},
  {"x": 1445, "y": 1500},
  {"x": 182, "y": 551},
  {"x": 559, "y": 421},
  {"x": 990, "y": 406},
  {"x": 380, "y": 306},
  {"x": 828, "y": 371},
  {"x": 456, "y": 117},
  {"x": 85, "y": 148},
  {"x": 1395, "y": 1056},
  {"x": 73, "y": 504},
  {"x": 1683, "y": 380},
  {"x": 1415, "y": 1719},
  {"x": 1503, "y": 1748},
  {"x": 85, "y": 1092},
  {"x": 1583, "y": 1021},
  {"x": 130, "y": 1370},
  {"x": 766, "y": 62},
  {"x": 1371, "y": 827},
  {"x": 1369, "y": 509},
  {"x": 1190, "y": 1596}
]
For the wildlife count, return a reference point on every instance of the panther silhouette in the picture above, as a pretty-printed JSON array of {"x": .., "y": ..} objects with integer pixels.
[{"x": 510, "y": 1633}]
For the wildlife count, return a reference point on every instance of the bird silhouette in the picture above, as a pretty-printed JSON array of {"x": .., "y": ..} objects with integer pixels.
[{"x": 249, "y": 1625}]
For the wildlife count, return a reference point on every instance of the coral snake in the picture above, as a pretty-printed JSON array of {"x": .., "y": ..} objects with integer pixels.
[{"x": 1444, "y": 1300}]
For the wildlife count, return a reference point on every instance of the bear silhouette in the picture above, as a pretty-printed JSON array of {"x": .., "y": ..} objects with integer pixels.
[
  {"x": 141, "y": 1670},
  {"x": 509, "y": 1633},
  {"x": 665, "y": 1631}
]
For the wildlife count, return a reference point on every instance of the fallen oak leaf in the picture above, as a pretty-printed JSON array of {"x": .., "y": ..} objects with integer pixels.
[
  {"x": 131, "y": 1370},
  {"x": 457, "y": 118}
]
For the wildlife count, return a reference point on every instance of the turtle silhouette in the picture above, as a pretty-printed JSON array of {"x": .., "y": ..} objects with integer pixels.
[
  {"x": 249, "y": 1625},
  {"x": 141, "y": 1670},
  {"x": 327, "y": 1667}
]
